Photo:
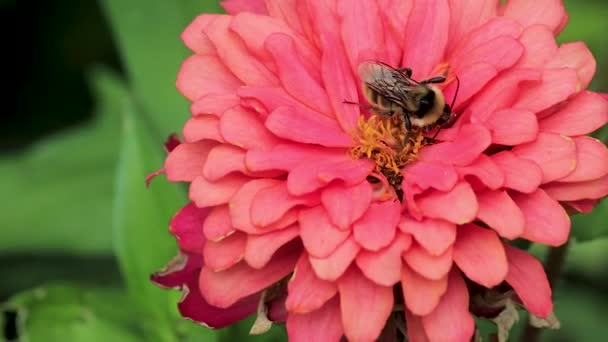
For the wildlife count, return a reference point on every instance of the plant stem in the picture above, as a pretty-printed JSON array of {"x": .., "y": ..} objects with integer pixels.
[{"x": 554, "y": 266}]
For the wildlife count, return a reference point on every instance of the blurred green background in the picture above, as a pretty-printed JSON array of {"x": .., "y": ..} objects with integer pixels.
[{"x": 89, "y": 99}]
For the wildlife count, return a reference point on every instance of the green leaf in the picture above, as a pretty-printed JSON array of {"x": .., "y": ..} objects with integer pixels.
[
  {"x": 148, "y": 36},
  {"x": 591, "y": 226},
  {"x": 70, "y": 313},
  {"x": 58, "y": 193}
]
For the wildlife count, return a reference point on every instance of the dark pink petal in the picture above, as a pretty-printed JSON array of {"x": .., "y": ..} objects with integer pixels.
[
  {"x": 218, "y": 224},
  {"x": 346, "y": 204},
  {"x": 520, "y": 174},
  {"x": 479, "y": 254},
  {"x": 206, "y": 194},
  {"x": 556, "y": 86},
  {"x": 187, "y": 227},
  {"x": 415, "y": 330},
  {"x": 578, "y": 57},
  {"x": 435, "y": 236},
  {"x": 376, "y": 229},
  {"x": 306, "y": 126},
  {"x": 546, "y": 220},
  {"x": 202, "y": 127},
  {"x": 237, "y": 6},
  {"x": 469, "y": 144},
  {"x": 427, "y": 265},
  {"x": 202, "y": 75},
  {"x": 172, "y": 142},
  {"x": 324, "y": 324},
  {"x": 424, "y": 49},
  {"x": 512, "y": 126},
  {"x": 294, "y": 75},
  {"x": 260, "y": 248},
  {"x": 527, "y": 277},
  {"x": 319, "y": 236},
  {"x": 242, "y": 128},
  {"x": 550, "y": 13},
  {"x": 240, "y": 205},
  {"x": 430, "y": 175},
  {"x": 466, "y": 15},
  {"x": 214, "y": 104},
  {"x": 186, "y": 161},
  {"x": 591, "y": 160},
  {"x": 554, "y": 153},
  {"x": 595, "y": 189},
  {"x": 306, "y": 292},
  {"x": 225, "y": 253},
  {"x": 195, "y": 38},
  {"x": 270, "y": 204},
  {"x": 421, "y": 295},
  {"x": 333, "y": 266},
  {"x": 362, "y": 31},
  {"x": 458, "y": 205},
  {"x": 499, "y": 212},
  {"x": 583, "y": 206},
  {"x": 365, "y": 306},
  {"x": 222, "y": 160},
  {"x": 223, "y": 289},
  {"x": 451, "y": 320},
  {"x": 486, "y": 170},
  {"x": 384, "y": 266},
  {"x": 583, "y": 114}
]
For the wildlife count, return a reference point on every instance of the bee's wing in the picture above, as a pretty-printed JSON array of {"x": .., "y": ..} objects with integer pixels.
[{"x": 385, "y": 80}]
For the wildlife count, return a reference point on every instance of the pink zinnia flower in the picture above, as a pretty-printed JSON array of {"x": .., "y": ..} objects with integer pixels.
[{"x": 316, "y": 209}]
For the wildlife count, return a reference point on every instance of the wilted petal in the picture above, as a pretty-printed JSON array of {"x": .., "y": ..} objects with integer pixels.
[
  {"x": 324, "y": 324},
  {"x": 427, "y": 265},
  {"x": 306, "y": 292},
  {"x": 319, "y": 236},
  {"x": 546, "y": 220},
  {"x": 384, "y": 266},
  {"x": 527, "y": 277},
  {"x": 202, "y": 75},
  {"x": 520, "y": 174},
  {"x": 479, "y": 254},
  {"x": 555, "y": 154},
  {"x": 346, "y": 204},
  {"x": 591, "y": 160},
  {"x": 260, "y": 248},
  {"x": 187, "y": 227},
  {"x": 421, "y": 295},
  {"x": 365, "y": 306},
  {"x": 595, "y": 189},
  {"x": 583, "y": 114},
  {"x": 376, "y": 229},
  {"x": 499, "y": 211},
  {"x": 458, "y": 205},
  {"x": 435, "y": 236},
  {"x": 333, "y": 266}
]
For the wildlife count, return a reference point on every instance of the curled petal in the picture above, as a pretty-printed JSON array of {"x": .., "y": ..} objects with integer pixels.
[
  {"x": 594, "y": 189},
  {"x": 225, "y": 253},
  {"x": 469, "y": 144},
  {"x": 485, "y": 170},
  {"x": 383, "y": 267},
  {"x": 222, "y": 160},
  {"x": 195, "y": 38},
  {"x": 550, "y": 13},
  {"x": 306, "y": 292},
  {"x": 556, "y": 86},
  {"x": 578, "y": 57},
  {"x": 240, "y": 205},
  {"x": 319, "y": 236},
  {"x": 421, "y": 295},
  {"x": 427, "y": 265},
  {"x": 185, "y": 162},
  {"x": 202, "y": 127},
  {"x": 333, "y": 266},
  {"x": 260, "y": 248},
  {"x": 430, "y": 175},
  {"x": 458, "y": 205},
  {"x": 242, "y": 128},
  {"x": 218, "y": 224},
  {"x": 214, "y": 104},
  {"x": 520, "y": 174},
  {"x": 591, "y": 160},
  {"x": 512, "y": 126},
  {"x": 345, "y": 204},
  {"x": 554, "y": 154},
  {"x": 583, "y": 114},
  {"x": 540, "y": 45},
  {"x": 499, "y": 211},
  {"x": 270, "y": 204},
  {"x": 376, "y": 229},
  {"x": 237, "y": 6},
  {"x": 202, "y": 75},
  {"x": 207, "y": 194},
  {"x": 435, "y": 236}
]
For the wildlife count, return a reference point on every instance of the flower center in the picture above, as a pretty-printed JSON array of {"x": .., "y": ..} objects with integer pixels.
[{"x": 386, "y": 141}]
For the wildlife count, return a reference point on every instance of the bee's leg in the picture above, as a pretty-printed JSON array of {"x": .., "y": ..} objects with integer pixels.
[
  {"x": 438, "y": 79},
  {"x": 406, "y": 71},
  {"x": 408, "y": 123}
]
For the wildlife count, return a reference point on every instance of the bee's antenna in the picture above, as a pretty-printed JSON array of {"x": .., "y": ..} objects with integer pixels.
[{"x": 456, "y": 93}]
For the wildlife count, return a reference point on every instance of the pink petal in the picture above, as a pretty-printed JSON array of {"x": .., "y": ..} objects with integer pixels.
[
  {"x": 550, "y": 13},
  {"x": 424, "y": 49},
  {"x": 520, "y": 174},
  {"x": 287, "y": 11},
  {"x": 225, "y": 253},
  {"x": 319, "y": 236},
  {"x": 365, "y": 306},
  {"x": 223, "y": 160},
  {"x": 186, "y": 161},
  {"x": 214, "y": 104},
  {"x": 293, "y": 74},
  {"x": 270, "y": 204},
  {"x": 266, "y": 99},
  {"x": 187, "y": 226},
  {"x": 222, "y": 289},
  {"x": 324, "y": 324},
  {"x": 288, "y": 156},
  {"x": 242, "y": 128},
  {"x": 546, "y": 220},
  {"x": 499, "y": 212},
  {"x": 306, "y": 292},
  {"x": 595, "y": 189},
  {"x": 195, "y": 38},
  {"x": 237, "y": 6},
  {"x": 218, "y": 224},
  {"x": 202, "y": 127},
  {"x": 435, "y": 236},
  {"x": 469, "y": 144},
  {"x": 540, "y": 47},
  {"x": 202, "y": 75},
  {"x": 451, "y": 320},
  {"x": 556, "y": 86},
  {"x": 501, "y": 52},
  {"x": 362, "y": 31},
  {"x": 205, "y": 193},
  {"x": 512, "y": 126},
  {"x": 421, "y": 295},
  {"x": 583, "y": 206},
  {"x": 333, "y": 266},
  {"x": 485, "y": 170},
  {"x": 240, "y": 205},
  {"x": 583, "y": 114},
  {"x": 578, "y": 57},
  {"x": 479, "y": 254},
  {"x": 415, "y": 330},
  {"x": 466, "y": 15},
  {"x": 306, "y": 126},
  {"x": 376, "y": 229},
  {"x": 427, "y": 265},
  {"x": 473, "y": 77},
  {"x": 591, "y": 160},
  {"x": 527, "y": 277},
  {"x": 458, "y": 205},
  {"x": 430, "y": 175},
  {"x": 317, "y": 173},
  {"x": 260, "y": 248},
  {"x": 554, "y": 153},
  {"x": 346, "y": 204},
  {"x": 384, "y": 267}
]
